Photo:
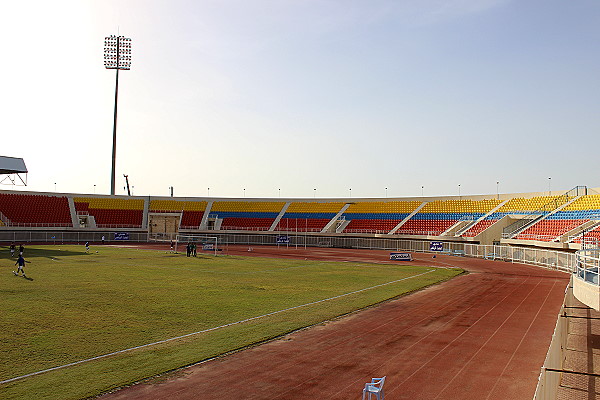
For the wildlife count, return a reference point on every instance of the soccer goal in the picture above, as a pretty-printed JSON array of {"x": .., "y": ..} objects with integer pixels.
[{"x": 207, "y": 244}]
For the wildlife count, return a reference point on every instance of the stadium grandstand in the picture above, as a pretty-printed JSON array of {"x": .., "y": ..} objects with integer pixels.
[{"x": 558, "y": 221}]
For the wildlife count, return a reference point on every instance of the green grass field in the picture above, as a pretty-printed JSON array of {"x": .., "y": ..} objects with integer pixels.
[{"x": 80, "y": 306}]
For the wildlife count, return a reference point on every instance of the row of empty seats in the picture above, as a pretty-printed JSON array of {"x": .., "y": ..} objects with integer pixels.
[
  {"x": 246, "y": 215},
  {"x": 35, "y": 210},
  {"x": 192, "y": 212},
  {"x": 111, "y": 212},
  {"x": 463, "y": 217}
]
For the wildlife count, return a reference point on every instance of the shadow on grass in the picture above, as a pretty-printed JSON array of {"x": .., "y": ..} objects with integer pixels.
[{"x": 39, "y": 253}]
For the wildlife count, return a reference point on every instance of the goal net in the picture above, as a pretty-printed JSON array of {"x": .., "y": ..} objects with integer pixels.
[{"x": 206, "y": 244}]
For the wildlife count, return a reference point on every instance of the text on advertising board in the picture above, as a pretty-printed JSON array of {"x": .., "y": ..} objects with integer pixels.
[
  {"x": 436, "y": 246},
  {"x": 121, "y": 235},
  {"x": 401, "y": 256}
]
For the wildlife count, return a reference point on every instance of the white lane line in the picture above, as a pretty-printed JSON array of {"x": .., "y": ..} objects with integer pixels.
[{"x": 206, "y": 330}]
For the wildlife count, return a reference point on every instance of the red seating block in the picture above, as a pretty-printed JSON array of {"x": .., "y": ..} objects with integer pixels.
[{"x": 35, "y": 210}]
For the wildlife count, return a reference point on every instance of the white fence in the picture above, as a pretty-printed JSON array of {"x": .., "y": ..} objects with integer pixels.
[
  {"x": 587, "y": 265},
  {"x": 65, "y": 236},
  {"x": 551, "y": 374},
  {"x": 553, "y": 259}
]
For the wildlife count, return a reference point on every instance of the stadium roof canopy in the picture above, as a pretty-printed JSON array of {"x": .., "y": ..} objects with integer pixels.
[{"x": 11, "y": 165}]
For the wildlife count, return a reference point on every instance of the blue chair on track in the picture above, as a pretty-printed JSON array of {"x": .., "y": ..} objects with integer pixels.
[{"x": 375, "y": 387}]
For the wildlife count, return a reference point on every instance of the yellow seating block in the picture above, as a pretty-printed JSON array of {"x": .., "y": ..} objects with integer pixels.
[
  {"x": 383, "y": 207},
  {"x": 314, "y": 207},
  {"x": 177, "y": 205},
  {"x": 589, "y": 202},
  {"x": 460, "y": 206},
  {"x": 523, "y": 204},
  {"x": 111, "y": 203},
  {"x": 248, "y": 206}
]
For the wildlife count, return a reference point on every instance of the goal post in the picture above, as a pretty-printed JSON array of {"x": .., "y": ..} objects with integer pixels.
[{"x": 207, "y": 244}]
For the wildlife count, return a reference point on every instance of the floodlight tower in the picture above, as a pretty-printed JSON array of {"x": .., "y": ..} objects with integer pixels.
[{"x": 117, "y": 55}]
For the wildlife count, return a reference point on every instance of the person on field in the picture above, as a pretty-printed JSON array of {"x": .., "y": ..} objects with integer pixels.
[
  {"x": 188, "y": 249},
  {"x": 171, "y": 246},
  {"x": 21, "y": 249},
  {"x": 87, "y": 247},
  {"x": 21, "y": 264},
  {"x": 12, "y": 250},
  {"x": 194, "y": 249},
  {"x": 103, "y": 239}
]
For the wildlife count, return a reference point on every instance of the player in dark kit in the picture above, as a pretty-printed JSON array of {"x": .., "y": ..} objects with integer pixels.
[
  {"x": 21, "y": 263},
  {"x": 12, "y": 250},
  {"x": 21, "y": 250}
]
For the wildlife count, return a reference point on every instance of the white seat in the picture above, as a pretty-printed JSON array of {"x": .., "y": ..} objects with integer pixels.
[{"x": 374, "y": 387}]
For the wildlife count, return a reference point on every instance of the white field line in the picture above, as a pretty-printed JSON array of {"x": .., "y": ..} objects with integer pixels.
[{"x": 206, "y": 330}]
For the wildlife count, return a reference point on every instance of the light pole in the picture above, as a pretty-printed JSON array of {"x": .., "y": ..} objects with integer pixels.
[
  {"x": 244, "y": 192},
  {"x": 314, "y": 193},
  {"x": 459, "y": 190},
  {"x": 386, "y": 193},
  {"x": 350, "y": 192},
  {"x": 94, "y": 189},
  {"x": 117, "y": 55},
  {"x": 55, "y": 186},
  {"x": 279, "y": 190},
  {"x": 497, "y": 190},
  {"x": 208, "y": 192},
  {"x": 549, "y": 180},
  {"x": 422, "y": 191}
]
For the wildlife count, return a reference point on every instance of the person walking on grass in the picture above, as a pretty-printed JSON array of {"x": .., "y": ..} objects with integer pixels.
[
  {"x": 21, "y": 249},
  {"x": 21, "y": 263},
  {"x": 12, "y": 250},
  {"x": 87, "y": 247}
]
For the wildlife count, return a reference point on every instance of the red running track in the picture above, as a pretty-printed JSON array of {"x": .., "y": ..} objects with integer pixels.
[{"x": 482, "y": 335}]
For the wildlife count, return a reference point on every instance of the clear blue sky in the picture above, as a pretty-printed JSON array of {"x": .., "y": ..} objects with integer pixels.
[{"x": 303, "y": 94}]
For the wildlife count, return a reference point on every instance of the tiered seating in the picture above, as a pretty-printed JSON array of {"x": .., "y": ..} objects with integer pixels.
[
  {"x": 548, "y": 229},
  {"x": 110, "y": 212},
  {"x": 582, "y": 210},
  {"x": 589, "y": 206},
  {"x": 247, "y": 215},
  {"x": 438, "y": 216},
  {"x": 377, "y": 217},
  {"x": 308, "y": 216},
  {"x": 192, "y": 211},
  {"x": 35, "y": 210},
  {"x": 518, "y": 205},
  {"x": 591, "y": 237},
  {"x": 479, "y": 227},
  {"x": 521, "y": 205}
]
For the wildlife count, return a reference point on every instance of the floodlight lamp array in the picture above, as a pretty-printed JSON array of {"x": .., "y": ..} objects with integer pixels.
[{"x": 117, "y": 52}]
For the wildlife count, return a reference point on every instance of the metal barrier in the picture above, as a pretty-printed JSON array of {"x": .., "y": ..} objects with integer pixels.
[
  {"x": 587, "y": 265},
  {"x": 65, "y": 236},
  {"x": 552, "y": 370},
  {"x": 552, "y": 259}
]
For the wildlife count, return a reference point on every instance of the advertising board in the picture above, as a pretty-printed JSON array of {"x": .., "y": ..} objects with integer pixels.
[
  {"x": 400, "y": 256},
  {"x": 121, "y": 235}
]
